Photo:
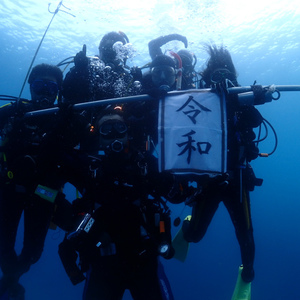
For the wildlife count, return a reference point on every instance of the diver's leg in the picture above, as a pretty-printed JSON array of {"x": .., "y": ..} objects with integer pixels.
[
  {"x": 149, "y": 281},
  {"x": 104, "y": 279},
  {"x": 238, "y": 206},
  {"x": 202, "y": 213},
  {"x": 11, "y": 207},
  {"x": 37, "y": 217}
]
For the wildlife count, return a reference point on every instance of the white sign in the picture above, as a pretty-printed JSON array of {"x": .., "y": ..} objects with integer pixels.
[{"x": 192, "y": 133}]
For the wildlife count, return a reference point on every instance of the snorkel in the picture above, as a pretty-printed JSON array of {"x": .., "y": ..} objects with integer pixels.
[{"x": 179, "y": 70}]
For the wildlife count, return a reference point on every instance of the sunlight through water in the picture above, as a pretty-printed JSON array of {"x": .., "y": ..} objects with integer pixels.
[{"x": 263, "y": 38}]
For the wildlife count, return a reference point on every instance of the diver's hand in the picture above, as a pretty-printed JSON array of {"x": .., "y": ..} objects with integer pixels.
[
  {"x": 81, "y": 60},
  {"x": 159, "y": 92},
  {"x": 183, "y": 39},
  {"x": 136, "y": 73}
]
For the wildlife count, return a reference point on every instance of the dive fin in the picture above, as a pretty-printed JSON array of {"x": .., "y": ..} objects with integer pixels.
[
  {"x": 242, "y": 290},
  {"x": 180, "y": 245}
]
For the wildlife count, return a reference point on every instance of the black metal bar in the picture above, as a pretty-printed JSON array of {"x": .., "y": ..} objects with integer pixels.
[
  {"x": 281, "y": 88},
  {"x": 84, "y": 105},
  {"x": 96, "y": 103}
]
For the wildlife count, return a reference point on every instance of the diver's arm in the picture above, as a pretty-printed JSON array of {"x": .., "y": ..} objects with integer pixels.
[
  {"x": 76, "y": 83},
  {"x": 154, "y": 45}
]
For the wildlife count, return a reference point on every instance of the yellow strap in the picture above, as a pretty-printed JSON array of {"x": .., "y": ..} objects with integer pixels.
[
  {"x": 246, "y": 208},
  {"x": 5, "y": 105}
]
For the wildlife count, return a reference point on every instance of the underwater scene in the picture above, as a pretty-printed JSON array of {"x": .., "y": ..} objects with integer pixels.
[{"x": 263, "y": 40}]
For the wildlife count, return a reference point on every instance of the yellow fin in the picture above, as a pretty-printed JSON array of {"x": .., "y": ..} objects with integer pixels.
[{"x": 180, "y": 245}]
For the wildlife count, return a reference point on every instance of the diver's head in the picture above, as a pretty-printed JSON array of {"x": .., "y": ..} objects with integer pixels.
[
  {"x": 219, "y": 67},
  {"x": 107, "y": 52},
  {"x": 220, "y": 74},
  {"x": 163, "y": 71},
  {"x": 113, "y": 133},
  {"x": 187, "y": 59},
  {"x": 45, "y": 83}
]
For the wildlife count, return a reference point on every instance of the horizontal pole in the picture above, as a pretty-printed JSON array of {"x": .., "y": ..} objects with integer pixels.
[
  {"x": 84, "y": 105},
  {"x": 280, "y": 88},
  {"x": 145, "y": 97}
]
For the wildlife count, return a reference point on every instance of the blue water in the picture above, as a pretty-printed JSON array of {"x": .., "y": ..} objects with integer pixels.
[{"x": 263, "y": 37}]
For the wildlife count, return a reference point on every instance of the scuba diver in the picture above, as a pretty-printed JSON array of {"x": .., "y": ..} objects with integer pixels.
[
  {"x": 162, "y": 76},
  {"x": 112, "y": 51},
  {"x": 167, "y": 72},
  {"x": 121, "y": 223},
  {"x": 234, "y": 186},
  {"x": 143, "y": 115},
  {"x": 103, "y": 76},
  {"x": 185, "y": 60},
  {"x": 189, "y": 75},
  {"x": 25, "y": 177},
  {"x": 219, "y": 69}
]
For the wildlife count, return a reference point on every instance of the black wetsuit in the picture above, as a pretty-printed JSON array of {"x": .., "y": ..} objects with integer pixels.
[
  {"x": 233, "y": 188},
  {"x": 29, "y": 148},
  {"x": 97, "y": 81},
  {"x": 121, "y": 248}
]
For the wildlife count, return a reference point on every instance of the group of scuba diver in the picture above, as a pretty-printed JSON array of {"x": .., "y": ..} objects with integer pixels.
[{"x": 91, "y": 128}]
